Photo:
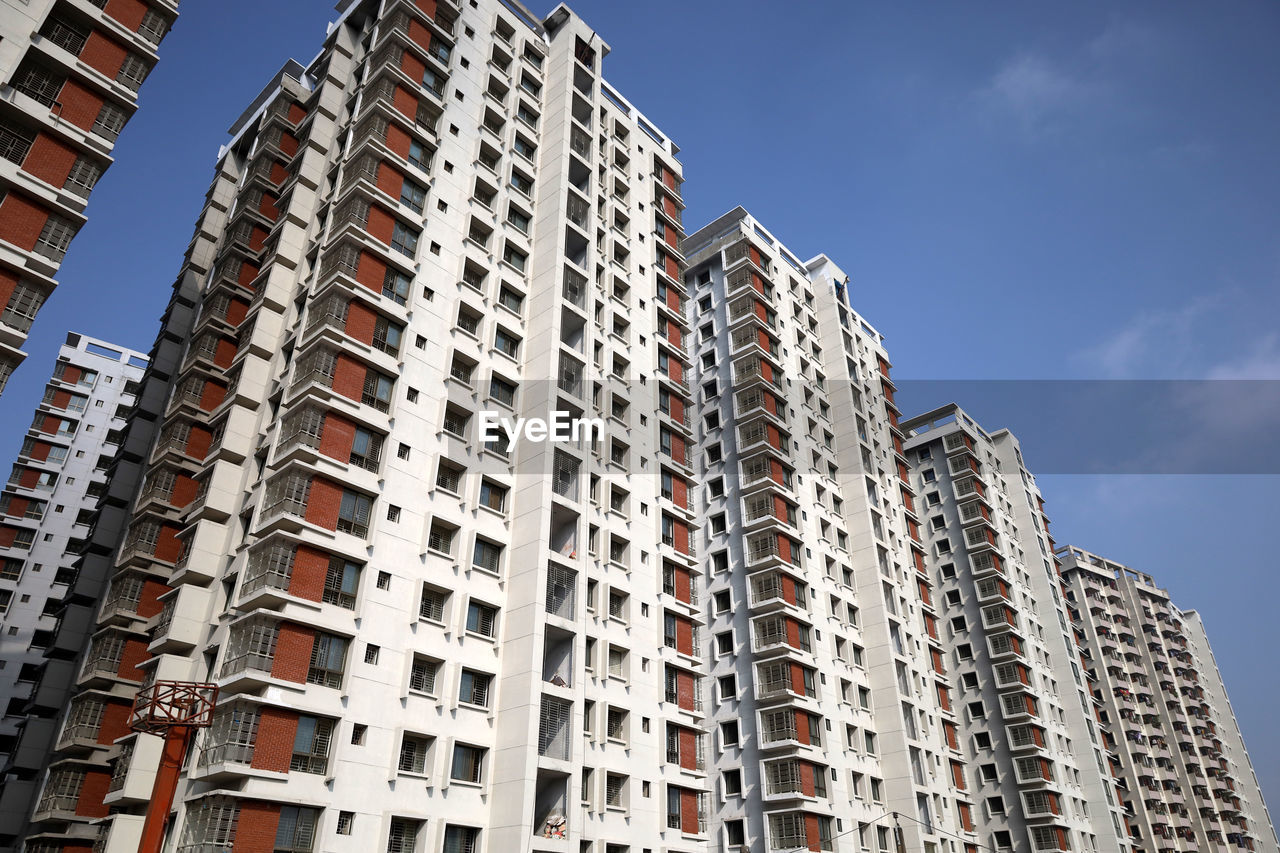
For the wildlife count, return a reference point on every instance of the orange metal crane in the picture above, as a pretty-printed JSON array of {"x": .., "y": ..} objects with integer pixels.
[{"x": 171, "y": 709}]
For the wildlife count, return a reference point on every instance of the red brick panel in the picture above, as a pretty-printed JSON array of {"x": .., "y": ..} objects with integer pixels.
[
  {"x": 7, "y": 535},
  {"x": 28, "y": 478},
  {"x": 184, "y": 491},
  {"x": 212, "y": 395},
  {"x": 688, "y": 749},
  {"x": 256, "y": 827},
  {"x": 237, "y": 310},
  {"x": 679, "y": 489},
  {"x": 115, "y": 722},
  {"x": 420, "y": 34},
  {"x": 680, "y": 532},
  {"x": 17, "y": 507},
  {"x": 149, "y": 603},
  {"x": 337, "y": 437},
  {"x": 102, "y": 54},
  {"x": 8, "y": 283},
  {"x": 40, "y": 451},
  {"x": 127, "y": 12},
  {"x": 267, "y": 206},
  {"x": 323, "y": 501},
  {"x": 412, "y": 65},
  {"x": 683, "y": 584},
  {"x": 811, "y": 833},
  {"x": 371, "y": 271},
  {"x": 288, "y": 143},
  {"x": 361, "y": 320},
  {"x": 688, "y": 811},
  {"x": 405, "y": 102},
  {"x": 309, "y": 570},
  {"x": 79, "y": 105},
  {"x": 381, "y": 224},
  {"x": 427, "y": 6},
  {"x": 389, "y": 180},
  {"x": 21, "y": 221},
  {"x": 92, "y": 792},
  {"x": 49, "y": 160},
  {"x": 135, "y": 652},
  {"x": 225, "y": 353},
  {"x": 293, "y": 652},
  {"x": 168, "y": 546},
  {"x": 684, "y": 636},
  {"x": 348, "y": 379},
  {"x": 273, "y": 748},
  {"x": 398, "y": 140},
  {"x": 198, "y": 441},
  {"x": 249, "y": 270},
  {"x": 685, "y": 690}
]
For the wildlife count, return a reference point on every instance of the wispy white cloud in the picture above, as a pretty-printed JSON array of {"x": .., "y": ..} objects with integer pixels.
[
  {"x": 1262, "y": 361},
  {"x": 1048, "y": 95},
  {"x": 1152, "y": 343},
  {"x": 1035, "y": 91}
]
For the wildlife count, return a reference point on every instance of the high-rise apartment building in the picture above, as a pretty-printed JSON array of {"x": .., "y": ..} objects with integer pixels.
[
  {"x": 45, "y": 512},
  {"x": 69, "y": 77},
  {"x": 751, "y": 610},
  {"x": 1188, "y": 783},
  {"x": 833, "y": 701},
  {"x": 1034, "y": 748},
  {"x": 422, "y": 638}
]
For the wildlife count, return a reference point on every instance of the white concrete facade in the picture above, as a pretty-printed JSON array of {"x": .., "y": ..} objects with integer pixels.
[
  {"x": 46, "y": 504},
  {"x": 1027, "y": 716},
  {"x": 1188, "y": 781},
  {"x": 422, "y": 641},
  {"x": 69, "y": 79},
  {"x": 812, "y": 577}
]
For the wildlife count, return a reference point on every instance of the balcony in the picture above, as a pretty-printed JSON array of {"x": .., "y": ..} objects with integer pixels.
[
  {"x": 773, "y": 590},
  {"x": 776, "y": 634}
]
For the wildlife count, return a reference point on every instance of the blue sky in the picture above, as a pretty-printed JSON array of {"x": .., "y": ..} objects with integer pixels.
[{"x": 1019, "y": 190}]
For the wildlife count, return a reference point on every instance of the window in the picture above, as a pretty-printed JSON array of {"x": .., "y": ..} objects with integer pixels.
[
  {"x": 422, "y": 675},
  {"x": 366, "y": 449},
  {"x": 487, "y": 555},
  {"x": 296, "y": 830},
  {"x": 404, "y": 240},
  {"x": 54, "y": 238},
  {"x": 733, "y": 787},
  {"x": 328, "y": 653},
  {"x": 511, "y": 255},
  {"x": 473, "y": 689},
  {"x": 525, "y": 148},
  {"x": 419, "y": 155},
  {"x": 346, "y": 820},
  {"x": 353, "y": 514},
  {"x": 521, "y": 183},
  {"x": 493, "y": 495},
  {"x": 403, "y": 836},
  {"x": 413, "y": 196},
  {"x": 461, "y": 839},
  {"x": 311, "y": 745},
  {"x": 441, "y": 538},
  {"x": 468, "y": 763},
  {"x": 449, "y": 476},
  {"x": 519, "y": 219},
  {"x": 110, "y": 121},
  {"x": 413, "y": 753},
  {"x": 617, "y": 724},
  {"x": 371, "y": 653},
  {"x": 615, "y": 790},
  {"x": 729, "y": 733},
  {"x": 510, "y": 299},
  {"x": 432, "y": 606},
  {"x": 482, "y": 619}
]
